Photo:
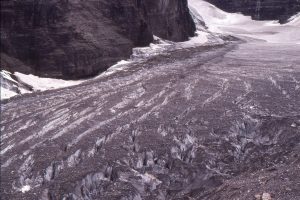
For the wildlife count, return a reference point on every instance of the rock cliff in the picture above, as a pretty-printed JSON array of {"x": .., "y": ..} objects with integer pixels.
[
  {"x": 176, "y": 23},
  {"x": 261, "y": 9},
  {"x": 75, "y": 38}
]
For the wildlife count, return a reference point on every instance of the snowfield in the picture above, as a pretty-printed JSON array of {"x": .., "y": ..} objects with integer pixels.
[{"x": 243, "y": 26}]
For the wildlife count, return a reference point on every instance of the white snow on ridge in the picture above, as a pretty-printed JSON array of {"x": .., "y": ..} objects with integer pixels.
[
  {"x": 215, "y": 18},
  {"x": 295, "y": 20},
  {"x": 42, "y": 84},
  {"x": 9, "y": 86},
  {"x": 240, "y": 25},
  {"x": 18, "y": 83},
  {"x": 6, "y": 93},
  {"x": 120, "y": 66},
  {"x": 161, "y": 46}
]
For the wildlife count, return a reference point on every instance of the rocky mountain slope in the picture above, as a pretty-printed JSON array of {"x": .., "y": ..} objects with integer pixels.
[
  {"x": 74, "y": 39},
  {"x": 261, "y": 9}
]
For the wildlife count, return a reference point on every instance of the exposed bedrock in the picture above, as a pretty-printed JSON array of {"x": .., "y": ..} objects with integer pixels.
[
  {"x": 261, "y": 9},
  {"x": 176, "y": 23},
  {"x": 74, "y": 39}
]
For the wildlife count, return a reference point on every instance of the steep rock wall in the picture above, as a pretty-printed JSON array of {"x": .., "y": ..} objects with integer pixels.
[
  {"x": 74, "y": 38},
  {"x": 176, "y": 23},
  {"x": 261, "y": 9}
]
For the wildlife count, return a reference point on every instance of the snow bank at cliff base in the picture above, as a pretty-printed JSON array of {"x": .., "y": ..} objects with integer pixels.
[
  {"x": 243, "y": 26},
  {"x": 18, "y": 83},
  {"x": 294, "y": 20}
]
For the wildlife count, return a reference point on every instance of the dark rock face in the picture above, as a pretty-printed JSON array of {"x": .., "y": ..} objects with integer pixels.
[
  {"x": 177, "y": 23},
  {"x": 261, "y": 9},
  {"x": 73, "y": 39}
]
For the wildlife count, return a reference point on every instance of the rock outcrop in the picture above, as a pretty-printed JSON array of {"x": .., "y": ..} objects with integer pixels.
[
  {"x": 74, "y": 38},
  {"x": 261, "y": 9},
  {"x": 176, "y": 23}
]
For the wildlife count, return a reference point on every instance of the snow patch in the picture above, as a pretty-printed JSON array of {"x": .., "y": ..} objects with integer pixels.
[
  {"x": 162, "y": 47},
  {"x": 120, "y": 66},
  {"x": 294, "y": 20},
  {"x": 6, "y": 93},
  {"x": 237, "y": 24},
  {"x": 18, "y": 83},
  {"x": 25, "y": 188},
  {"x": 7, "y": 75},
  {"x": 42, "y": 84},
  {"x": 202, "y": 38},
  {"x": 159, "y": 47}
]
